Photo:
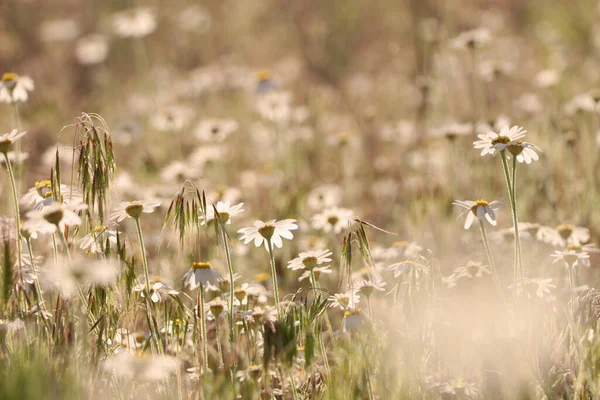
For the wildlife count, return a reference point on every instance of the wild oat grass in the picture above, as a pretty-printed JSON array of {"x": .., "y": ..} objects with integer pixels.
[{"x": 261, "y": 200}]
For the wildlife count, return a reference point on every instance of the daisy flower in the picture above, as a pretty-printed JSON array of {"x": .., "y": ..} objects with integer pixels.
[
  {"x": 344, "y": 301},
  {"x": 367, "y": 287},
  {"x": 310, "y": 259},
  {"x": 572, "y": 257},
  {"x": 133, "y": 209},
  {"x": 272, "y": 231},
  {"x": 8, "y": 139},
  {"x": 524, "y": 151},
  {"x": 324, "y": 196},
  {"x": 317, "y": 271},
  {"x": 333, "y": 219},
  {"x": 53, "y": 217},
  {"x": 472, "y": 39},
  {"x": 225, "y": 211},
  {"x": 215, "y": 130},
  {"x": 136, "y": 22},
  {"x": 68, "y": 276},
  {"x": 563, "y": 235},
  {"x": 543, "y": 285},
  {"x": 158, "y": 289},
  {"x": 201, "y": 273},
  {"x": 355, "y": 320},
  {"x": 95, "y": 241},
  {"x": 92, "y": 49},
  {"x": 472, "y": 269},
  {"x": 216, "y": 307},
  {"x": 14, "y": 88},
  {"x": 480, "y": 209},
  {"x": 493, "y": 142}
]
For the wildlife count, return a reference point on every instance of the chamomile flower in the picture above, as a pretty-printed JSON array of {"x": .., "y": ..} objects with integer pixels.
[
  {"x": 472, "y": 39},
  {"x": 572, "y": 257},
  {"x": 95, "y": 241},
  {"x": 158, "y": 289},
  {"x": 146, "y": 368},
  {"x": 8, "y": 139},
  {"x": 173, "y": 119},
  {"x": 473, "y": 269},
  {"x": 53, "y": 217},
  {"x": 543, "y": 285},
  {"x": 367, "y": 287},
  {"x": 215, "y": 130},
  {"x": 136, "y": 22},
  {"x": 201, "y": 273},
  {"x": 525, "y": 152},
  {"x": 68, "y": 276},
  {"x": 225, "y": 211},
  {"x": 344, "y": 301},
  {"x": 133, "y": 209},
  {"x": 333, "y": 219},
  {"x": 492, "y": 142},
  {"x": 355, "y": 320},
  {"x": 318, "y": 271},
  {"x": 324, "y": 196},
  {"x": 563, "y": 235},
  {"x": 480, "y": 209},
  {"x": 310, "y": 259},
  {"x": 179, "y": 172},
  {"x": 92, "y": 49},
  {"x": 272, "y": 231},
  {"x": 14, "y": 88}
]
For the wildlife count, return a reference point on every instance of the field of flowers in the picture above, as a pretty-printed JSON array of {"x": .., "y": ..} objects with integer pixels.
[{"x": 275, "y": 199}]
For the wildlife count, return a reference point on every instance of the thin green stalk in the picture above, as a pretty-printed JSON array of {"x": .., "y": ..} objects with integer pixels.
[
  {"x": 231, "y": 288},
  {"x": 63, "y": 240},
  {"x": 274, "y": 277},
  {"x": 219, "y": 348},
  {"x": 203, "y": 328},
  {"x": 54, "y": 247},
  {"x": 488, "y": 253},
  {"x": 153, "y": 331},
  {"x": 509, "y": 185},
  {"x": 571, "y": 287},
  {"x": 13, "y": 186},
  {"x": 516, "y": 218}
]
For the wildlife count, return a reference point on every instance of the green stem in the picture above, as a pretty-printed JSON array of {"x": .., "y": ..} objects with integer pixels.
[
  {"x": 63, "y": 240},
  {"x": 510, "y": 186},
  {"x": 231, "y": 288},
  {"x": 219, "y": 348},
  {"x": 143, "y": 250},
  {"x": 488, "y": 253},
  {"x": 274, "y": 277},
  {"x": 203, "y": 329},
  {"x": 13, "y": 185},
  {"x": 516, "y": 218},
  {"x": 153, "y": 331}
]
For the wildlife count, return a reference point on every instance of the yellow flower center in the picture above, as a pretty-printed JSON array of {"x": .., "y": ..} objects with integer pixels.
[
  {"x": 333, "y": 220},
  {"x": 501, "y": 140},
  {"x": 43, "y": 183},
  {"x": 354, "y": 311},
  {"x": 54, "y": 217},
  {"x": 201, "y": 265},
  {"x": 134, "y": 209},
  {"x": 9, "y": 77},
  {"x": 48, "y": 194},
  {"x": 100, "y": 229},
  {"x": 310, "y": 262},
  {"x": 264, "y": 75},
  {"x": 574, "y": 246},
  {"x": 481, "y": 203},
  {"x": 263, "y": 277},
  {"x": 400, "y": 243},
  {"x": 565, "y": 230},
  {"x": 267, "y": 231}
]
